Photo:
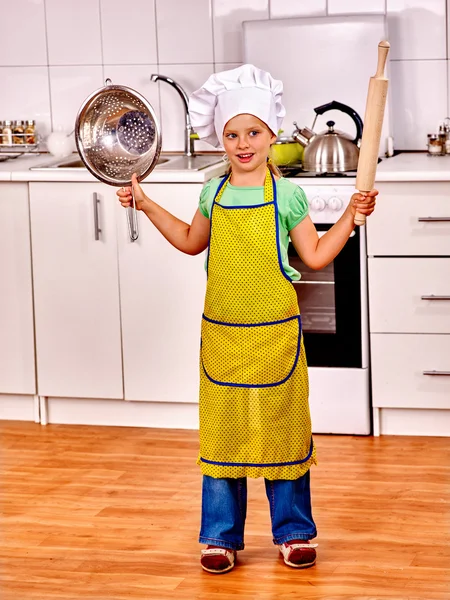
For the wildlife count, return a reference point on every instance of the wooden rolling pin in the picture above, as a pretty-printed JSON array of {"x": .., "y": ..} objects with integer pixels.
[{"x": 373, "y": 123}]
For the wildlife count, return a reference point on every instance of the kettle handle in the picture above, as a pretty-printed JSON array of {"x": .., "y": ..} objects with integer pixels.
[{"x": 335, "y": 105}]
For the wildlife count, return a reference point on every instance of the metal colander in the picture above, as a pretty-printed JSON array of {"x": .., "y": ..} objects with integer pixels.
[{"x": 117, "y": 134}]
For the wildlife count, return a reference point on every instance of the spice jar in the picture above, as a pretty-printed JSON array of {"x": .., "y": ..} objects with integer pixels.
[
  {"x": 18, "y": 133},
  {"x": 442, "y": 137},
  {"x": 434, "y": 144},
  {"x": 446, "y": 129},
  {"x": 7, "y": 134},
  {"x": 30, "y": 133}
]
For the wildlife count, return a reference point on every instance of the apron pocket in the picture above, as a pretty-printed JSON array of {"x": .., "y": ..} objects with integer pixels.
[{"x": 256, "y": 355}]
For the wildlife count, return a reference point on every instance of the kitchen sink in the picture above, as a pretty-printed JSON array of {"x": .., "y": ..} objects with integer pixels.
[{"x": 166, "y": 162}]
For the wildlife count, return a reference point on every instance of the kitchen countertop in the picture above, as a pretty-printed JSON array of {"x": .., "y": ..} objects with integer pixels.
[
  {"x": 417, "y": 166},
  {"x": 414, "y": 166},
  {"x": 18, "y": 169}
]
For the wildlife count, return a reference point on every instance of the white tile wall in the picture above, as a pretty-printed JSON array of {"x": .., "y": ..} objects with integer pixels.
[
  {"x": 127, "y": 47},
  {"x": 184, "y": 31},
  {"x": 297, "y": 8},
  {"x": 349, "y": 7},
  {"x": 63, "y": 55},
  {"x": 22, "y": 33},
  {"x": 26, "y": 96},
  {"x": 228, "y": 16},
  {"x": 417, "y": 29},
  {"x": 70, "y": 86},
  {"x": 418, "y": 108},
  {"x": 73, "y": 32}
]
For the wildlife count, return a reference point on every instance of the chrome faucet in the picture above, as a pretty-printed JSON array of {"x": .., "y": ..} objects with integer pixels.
[{"x": 188, "y": 140}]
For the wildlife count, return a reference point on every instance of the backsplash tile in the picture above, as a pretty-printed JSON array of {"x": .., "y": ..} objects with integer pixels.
[
  {"x": 73, "y": 32},
  {"x": 22, "y": 37},
  {"x": 228, "y": 16},
  {"x": 134, "y": 46},
  {"x": 44, "y": 78},
  {"x": 352, "y": 7},
  {"x": 218, "y": 67},
  {"x": 184, "y": 31},
  {"x": 420, "y": 91},
  {"x": 297, "y": 8},
  {"x": 70, "y": 86},
  {"x": 417, "y": 29},
  {"x": 26, "y": 96}
]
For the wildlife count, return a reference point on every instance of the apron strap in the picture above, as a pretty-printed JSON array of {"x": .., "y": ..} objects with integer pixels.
[{"x": 269, "y": 184}]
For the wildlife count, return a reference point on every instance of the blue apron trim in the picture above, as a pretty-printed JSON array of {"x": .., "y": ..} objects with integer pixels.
[
  {"x": 244, "y": 205},
  {"x": 281, "y": 464},
  {"x": 263, "y": 385},
  {"x": 251, "y": 324},
  {"x": 221, "y": 184},
  {"x": 277, "y": 226}
]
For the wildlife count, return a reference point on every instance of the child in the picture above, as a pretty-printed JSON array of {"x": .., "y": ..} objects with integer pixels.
[{"x": 254, "y": 413}]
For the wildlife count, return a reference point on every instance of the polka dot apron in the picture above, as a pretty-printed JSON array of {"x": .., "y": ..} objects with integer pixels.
[{"x": 254, "y": 412}]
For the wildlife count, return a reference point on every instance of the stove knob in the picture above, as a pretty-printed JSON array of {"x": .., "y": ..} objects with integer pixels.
[
  {"x": 317, "y": 203},
  {"x": 335, "y": 203}
]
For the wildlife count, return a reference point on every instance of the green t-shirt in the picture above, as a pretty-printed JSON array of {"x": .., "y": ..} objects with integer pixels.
[{"x": 292, "y": 208}]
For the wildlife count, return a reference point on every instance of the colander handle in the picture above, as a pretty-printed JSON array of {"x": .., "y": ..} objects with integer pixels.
[{"x": 132, "y": 219}]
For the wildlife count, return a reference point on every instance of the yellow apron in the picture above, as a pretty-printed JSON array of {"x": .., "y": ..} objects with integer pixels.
[{"x": 254, "y": 412}]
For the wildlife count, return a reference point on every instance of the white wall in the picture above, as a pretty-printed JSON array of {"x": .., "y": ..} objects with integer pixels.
[{"x": 53, "y": 53}]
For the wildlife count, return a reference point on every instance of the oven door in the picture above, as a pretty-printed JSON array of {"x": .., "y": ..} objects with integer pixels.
[{"x": 330, "y": 305}]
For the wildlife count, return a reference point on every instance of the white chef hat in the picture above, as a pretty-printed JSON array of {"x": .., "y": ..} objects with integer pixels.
[{"x": 245, "y": 90}]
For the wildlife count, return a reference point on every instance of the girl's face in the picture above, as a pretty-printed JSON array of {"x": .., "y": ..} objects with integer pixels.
[{"x": 247, "y": 141}]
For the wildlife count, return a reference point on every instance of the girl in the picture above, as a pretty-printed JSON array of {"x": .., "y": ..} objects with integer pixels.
[{"x": 254, "y": 413}]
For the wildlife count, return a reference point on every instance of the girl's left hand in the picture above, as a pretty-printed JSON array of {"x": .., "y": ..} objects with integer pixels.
[{"x": 363, "y": 203}]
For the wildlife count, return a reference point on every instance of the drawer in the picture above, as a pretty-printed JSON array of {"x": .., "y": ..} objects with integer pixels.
[
  {"x": 398, "y": 363},
  {"x": 396, "y": 288},
  {"x": 394, "y": 229}
]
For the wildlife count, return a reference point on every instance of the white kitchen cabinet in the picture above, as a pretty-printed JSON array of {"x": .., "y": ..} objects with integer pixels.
[
  {"x": 409, "y": 307},
  {"x": 409, "y": 295},
  {"x": 17, "y": 371},
  {"x": 162, "y": 294},
  {"x": 410, "y": 219},
  {"x": 411, "y": 371},
  {"x": 78, "y": 341}
]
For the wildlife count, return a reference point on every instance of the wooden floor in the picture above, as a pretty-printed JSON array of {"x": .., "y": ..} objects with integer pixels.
[{"x": 108, "y": 513}]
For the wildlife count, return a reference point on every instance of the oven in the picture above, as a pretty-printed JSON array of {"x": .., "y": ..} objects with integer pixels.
[
  {"x": 334, "y": 307},
  {"x": 330, "y": 304}
]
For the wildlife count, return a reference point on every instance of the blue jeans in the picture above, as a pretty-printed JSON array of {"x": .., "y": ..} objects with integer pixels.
[{"x": 224, "y": 508}]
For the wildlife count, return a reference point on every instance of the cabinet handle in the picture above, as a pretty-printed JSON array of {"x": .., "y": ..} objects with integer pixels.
[
  {"x": 96, "y": 202},
  {"x": 441, "y": 373},
  {"x": 433, "y": 297},
  {"x": 433, "y": 219}
]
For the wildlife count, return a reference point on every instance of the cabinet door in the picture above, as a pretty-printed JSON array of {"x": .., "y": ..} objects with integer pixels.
[
  {"x": 411, "y": 219},
  {"x": 17, "y": 372},
  {"x": 409, "y": 295},
  {"x": 162, "y": 294},
  {"x": 76, "y": 290},
  {"x": 410, "y": 371}
]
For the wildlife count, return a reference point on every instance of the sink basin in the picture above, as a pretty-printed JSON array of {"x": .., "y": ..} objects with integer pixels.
[
  {"x": 166, "y": 162},
  {"x": 74, "y": 163}
]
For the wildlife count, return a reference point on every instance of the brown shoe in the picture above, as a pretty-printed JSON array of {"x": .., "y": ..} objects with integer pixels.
[
  {"x": 299, "y": 554},
  {"x": 217, "y": 560}
]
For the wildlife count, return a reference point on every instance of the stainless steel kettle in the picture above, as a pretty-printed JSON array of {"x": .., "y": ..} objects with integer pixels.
[{"x": 330, "y": 151}]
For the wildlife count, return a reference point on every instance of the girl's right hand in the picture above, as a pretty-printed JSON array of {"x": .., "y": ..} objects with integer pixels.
[{"x": 126, "y": 199}]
